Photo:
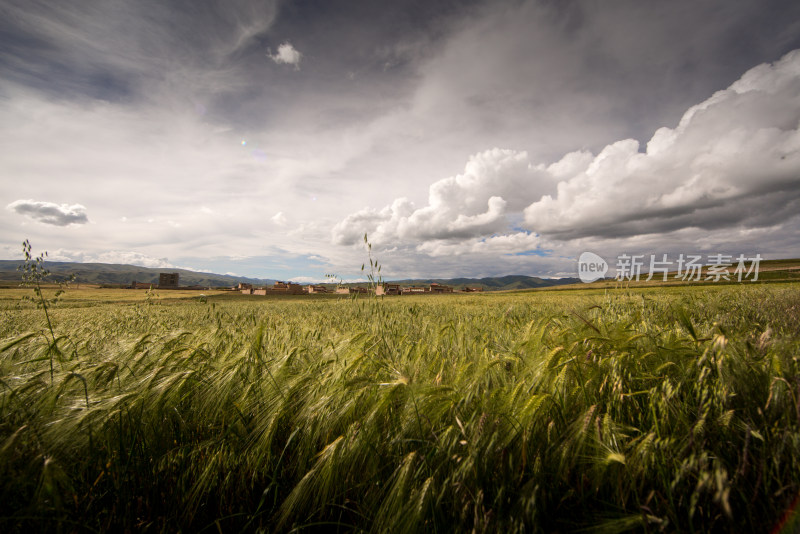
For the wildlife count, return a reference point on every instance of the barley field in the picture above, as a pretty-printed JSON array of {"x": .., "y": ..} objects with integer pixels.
[{"x": 671, "y": 409}]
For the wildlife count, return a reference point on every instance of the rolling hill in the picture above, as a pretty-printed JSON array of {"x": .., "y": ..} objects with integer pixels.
[
  {"x": 501, "y": 283},
  {"x": 115, "y": 274}
]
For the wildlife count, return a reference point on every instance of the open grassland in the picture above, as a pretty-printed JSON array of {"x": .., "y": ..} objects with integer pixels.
[
  {"x": 670, "y": 409},
  {"x": 769, "y": 271},
  {"x": 94, "y": 296}
]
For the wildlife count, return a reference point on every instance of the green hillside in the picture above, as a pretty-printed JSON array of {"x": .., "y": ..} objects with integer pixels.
[
  {"x": 115, "y": 274},
  {"x": 500, "y": 283}
]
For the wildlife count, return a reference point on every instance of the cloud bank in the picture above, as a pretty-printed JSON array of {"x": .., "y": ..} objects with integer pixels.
[
  {"x": 495, "y": 183},
  {"x": 50, "y": 213},
  {"x": 733, "y": 161},
  {"x": 124, "y": 257}
]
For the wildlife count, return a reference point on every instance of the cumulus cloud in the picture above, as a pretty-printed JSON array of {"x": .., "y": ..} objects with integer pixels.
[
  {"x": 514, "y": 243},
  {"x": 131, "y": 258},
  {"x": 308, "y": 280},
  {"x": 125, "y": 257},
  {"x": 287, "y": 54},
  {"x": 477, "y": 202},
  {"x": 50, "y": 213},
  {"x": 733, "y": 161}
]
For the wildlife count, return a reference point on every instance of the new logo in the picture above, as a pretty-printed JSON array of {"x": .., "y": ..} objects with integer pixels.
[{"x": 591, "y": 267}]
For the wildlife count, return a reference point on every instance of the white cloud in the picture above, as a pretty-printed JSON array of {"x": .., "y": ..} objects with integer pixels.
[
  {"x": 732, "y": 160},
  {"x": 514, "y": 243},
  {"x": 494, "y": 184},
  {"x": 130, "y": 258},
  {"x": 182, "y": 188},
  {"x": 50, "y": 213},
  {"x": 287, "y": 54},
  {"x": 279, "y": 219},
  {"x": 308, "y": 280},
  {"x": 124, "y": 257}
]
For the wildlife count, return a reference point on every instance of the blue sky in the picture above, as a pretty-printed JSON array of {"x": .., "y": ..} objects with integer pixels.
[{"x": 479, "y": 138}]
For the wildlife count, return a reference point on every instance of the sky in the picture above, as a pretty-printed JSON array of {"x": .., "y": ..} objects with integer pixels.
[{"x": 465, "y": 138}]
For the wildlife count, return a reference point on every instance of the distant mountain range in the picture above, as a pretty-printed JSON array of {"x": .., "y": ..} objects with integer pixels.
[
  {"x": 115, "y": 274},
  {"x": 498, "y": 283},
  {"x": 110, "y": 274}
]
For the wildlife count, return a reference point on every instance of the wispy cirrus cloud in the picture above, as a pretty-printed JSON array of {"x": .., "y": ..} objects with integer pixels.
[{"x": 50, "y": 213}]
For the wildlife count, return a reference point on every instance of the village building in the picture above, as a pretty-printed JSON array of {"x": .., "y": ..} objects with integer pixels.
[
  {"x": 289, "y": 288},
  {"x": 280, "y": 288},
  {"x": 413, "y": 290},
  {"x": 358, "y": 290},
  {"x": 388, "y": 289},
  {"x": 168, "y": 280},
  {"x": 439, "y": 288},
  {"x": 317, "y": 289}
]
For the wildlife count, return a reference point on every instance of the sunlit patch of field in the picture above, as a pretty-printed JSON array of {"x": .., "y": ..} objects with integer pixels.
[
  {"x": 94, "y": 295},
  {"x": 769, "y": 271},
  {"x": 658, "y": 409}
]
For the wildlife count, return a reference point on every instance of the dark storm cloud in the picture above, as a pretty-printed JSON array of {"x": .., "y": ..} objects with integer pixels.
[
  {"x": 561, "y": 76},
  {"x": 218, "y": 53},
  {"x": 503, "y": 62}
]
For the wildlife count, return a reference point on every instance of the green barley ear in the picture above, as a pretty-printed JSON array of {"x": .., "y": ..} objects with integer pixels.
[{"x": 34, "y": 274}]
